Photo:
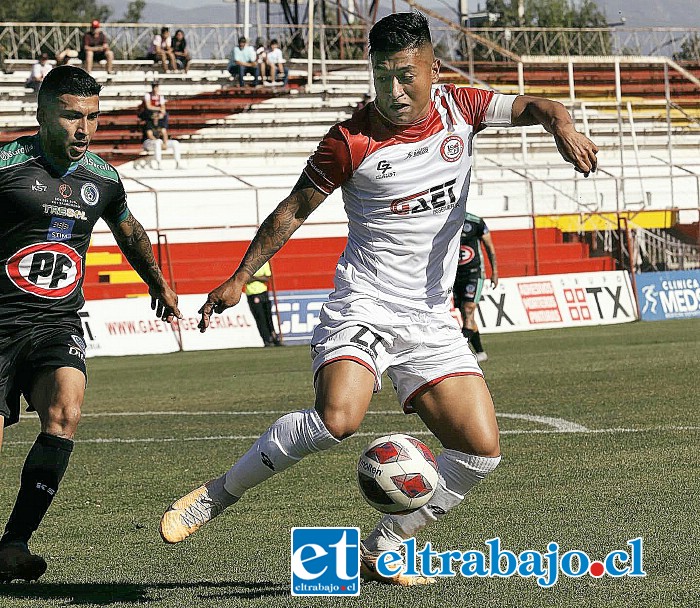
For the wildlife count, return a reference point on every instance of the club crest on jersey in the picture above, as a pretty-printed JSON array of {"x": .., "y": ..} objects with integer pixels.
[
  {"x": 89, "y": 193},
  {"x": 65, "y": 190},
  {"x": 47, "y": 270},
  {"x": 452, "y": 148}
]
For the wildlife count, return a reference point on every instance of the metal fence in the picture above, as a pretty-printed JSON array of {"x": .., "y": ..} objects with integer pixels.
[{"x": 215, "y": 41}]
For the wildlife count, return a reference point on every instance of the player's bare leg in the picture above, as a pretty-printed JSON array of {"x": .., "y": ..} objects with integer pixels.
[
  {"x": 460, "y": 413},
  {"x": 343, "y": 392},
  {"x": 472, "y": 330},
  {"x": 57, "y": 396}
]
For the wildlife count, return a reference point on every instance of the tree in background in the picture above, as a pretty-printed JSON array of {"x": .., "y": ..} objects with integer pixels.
[
  {"x": 134, "y": 11},
  {"x": 690, "y": 49},
  {"x": 559, "y": 14},
  {"x": 53, "y": 10}
]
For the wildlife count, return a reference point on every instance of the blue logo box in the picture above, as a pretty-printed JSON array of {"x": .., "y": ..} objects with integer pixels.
[{"x": 325, "y": 561}]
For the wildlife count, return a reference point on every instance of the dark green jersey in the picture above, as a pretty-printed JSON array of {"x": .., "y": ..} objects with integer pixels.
[
  {"x": 46, "y": 221},
  {"x": 473, "y": 230}
]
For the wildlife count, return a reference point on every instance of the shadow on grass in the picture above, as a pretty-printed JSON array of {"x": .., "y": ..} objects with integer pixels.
[{"x": 104, "y": 594}]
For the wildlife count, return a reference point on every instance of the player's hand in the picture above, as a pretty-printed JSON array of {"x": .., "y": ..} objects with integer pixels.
[
  {"x": 577, "y": 149},
  {"x": 164, "y": 302},
  {"x": 494, "y": 280},
  {"x": 225, "y": 296}
]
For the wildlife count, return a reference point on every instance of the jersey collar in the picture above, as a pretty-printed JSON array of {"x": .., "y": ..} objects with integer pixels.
[{"x": 71, "y": 168}]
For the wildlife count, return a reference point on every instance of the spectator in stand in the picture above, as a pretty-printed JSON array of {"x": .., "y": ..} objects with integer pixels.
[
  {"x": 261, "y": 58},
  {"x": 182, "y": 55},
  {"x": 242, "y": 61},
  {"x": 155, "y": 138},
  {"x": 261, "y": 306},
  {"x": 64, "y": 57},
  {"x": 96, "y": 48},
  {"x": 153, "y": 104},
  {"x": 39, "y": 71},
  {"x": 162, "y": 50},
  {"x": 275, "y": 60}
]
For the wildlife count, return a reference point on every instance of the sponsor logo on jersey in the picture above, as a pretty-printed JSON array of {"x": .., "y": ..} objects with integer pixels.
[
  {"x": 78, "y": 214},
  {"x": 90, "y": 194},
  {"x": 48, "y": 270},
  {"x": 437, "y": 199},
  {"x": 92, "y": 163},
  {"x": 417, "y": 152},
  {"x": 37, "y": 186},
  {"x": 385, "y": 167},
  {"x": 65, "y": 190},
  {"x": 5, "y": 155},
  {"x": 452, "y": 148},
  {"x": 79, "y": 342},
  {"x": 466, "y": 255},
  {"x": 60, "y": 229}
]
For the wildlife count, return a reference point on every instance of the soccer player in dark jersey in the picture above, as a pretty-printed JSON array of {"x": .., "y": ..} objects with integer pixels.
[
  {"x": 470, "y": 277},
  {"x": 53, "y": 191}
]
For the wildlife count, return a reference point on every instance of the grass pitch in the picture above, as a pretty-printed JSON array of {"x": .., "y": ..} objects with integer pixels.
[{"x": 142, "y": 444}]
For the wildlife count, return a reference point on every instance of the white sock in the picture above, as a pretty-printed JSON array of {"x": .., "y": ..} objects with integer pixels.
[
  {"x": 285, "y": 443},
  {"x": 459, "y": 473}
]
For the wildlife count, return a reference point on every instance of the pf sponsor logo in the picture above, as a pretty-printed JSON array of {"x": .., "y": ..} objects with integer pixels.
[
  {"x": 47, "y": 270},
  {"x": 325, "y": 561},
  {"x": 452, "y": 148},
  {"x": 89, "y": 193},
  {"x": 65, "y": 190},
  {"x": 466, "y": 255}
]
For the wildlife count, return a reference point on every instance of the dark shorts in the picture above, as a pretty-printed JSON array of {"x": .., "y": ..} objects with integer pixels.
[
  {"x": 24, "y": 354},
  {"x": 468, "y": 288},
  {"x": 97, "y": 56}
]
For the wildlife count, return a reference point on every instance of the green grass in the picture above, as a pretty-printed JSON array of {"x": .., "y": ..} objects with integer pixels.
[{"x": 590, "y": 491}]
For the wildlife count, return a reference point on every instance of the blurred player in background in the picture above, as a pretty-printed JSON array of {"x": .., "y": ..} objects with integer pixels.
[
  {"x": 403, "y": 163},
  {"x": 53, "y": 192},
  {"x": 470, "y": 277}
]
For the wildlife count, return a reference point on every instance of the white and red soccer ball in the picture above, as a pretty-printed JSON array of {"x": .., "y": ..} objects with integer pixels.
[{"x": 397, "y": 473}]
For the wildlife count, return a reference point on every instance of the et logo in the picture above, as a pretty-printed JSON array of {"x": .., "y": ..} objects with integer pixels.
[{"x": 325, "y": 561}]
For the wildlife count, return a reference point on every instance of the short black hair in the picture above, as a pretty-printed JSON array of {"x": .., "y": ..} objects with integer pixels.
[
  {"x": 67, "y": 80},
  {"x": 399, "y": 32}
]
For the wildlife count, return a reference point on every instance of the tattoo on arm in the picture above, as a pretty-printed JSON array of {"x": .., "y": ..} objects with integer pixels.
[
  {"x": 136, "y": 246},
  {"x": 279, "y": 226}
]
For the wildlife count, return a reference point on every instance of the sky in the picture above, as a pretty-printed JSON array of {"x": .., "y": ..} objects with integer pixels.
[{"x": 637, "y": 13}]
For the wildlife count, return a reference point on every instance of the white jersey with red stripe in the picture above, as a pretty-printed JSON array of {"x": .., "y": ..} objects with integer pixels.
[{"x": 405, "y": 190}]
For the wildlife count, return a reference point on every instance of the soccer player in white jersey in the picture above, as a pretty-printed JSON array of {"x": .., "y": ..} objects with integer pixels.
[{"x": 403, "y": 163}]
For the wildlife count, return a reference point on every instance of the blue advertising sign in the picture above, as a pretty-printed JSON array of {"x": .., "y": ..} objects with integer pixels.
[
  {"x": 298, "y": 314},
  {"x": 669, "y": 295}
]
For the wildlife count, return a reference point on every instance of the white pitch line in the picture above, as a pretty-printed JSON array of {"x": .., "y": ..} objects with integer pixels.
[
  {"x": 98, "y": 440},
  {"x": 559, "y": 424}
]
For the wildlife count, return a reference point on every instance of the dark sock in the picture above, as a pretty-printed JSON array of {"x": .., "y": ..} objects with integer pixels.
[
  {"x": 476, "y": 342},
  {"x": 43, "y": 470}
]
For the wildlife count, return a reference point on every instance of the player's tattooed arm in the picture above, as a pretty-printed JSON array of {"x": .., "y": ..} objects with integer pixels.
[
  {"x": 274, "y": 232},
  {"x": 279, "y": 226},
  {"x": 136, "y": 246}
]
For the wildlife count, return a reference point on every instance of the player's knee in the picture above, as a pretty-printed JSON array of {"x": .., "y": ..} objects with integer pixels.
[
  {"x": 340, "y": 423},
  {"x": 63, "y": 418}
]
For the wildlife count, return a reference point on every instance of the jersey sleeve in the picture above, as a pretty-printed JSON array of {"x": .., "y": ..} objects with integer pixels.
[
  {"x": 473, "y": 104},
  {"x": 331, "y": 165},
  {"x": 116, "y": 210}
]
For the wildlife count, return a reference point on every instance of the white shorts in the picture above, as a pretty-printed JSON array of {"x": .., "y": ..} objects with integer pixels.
[{"x": 418, "y": 349}]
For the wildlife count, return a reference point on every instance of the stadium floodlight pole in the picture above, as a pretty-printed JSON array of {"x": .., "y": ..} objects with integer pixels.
[
  {"x": 310, "y": 48},
  {"x": 246, "y": 18}
]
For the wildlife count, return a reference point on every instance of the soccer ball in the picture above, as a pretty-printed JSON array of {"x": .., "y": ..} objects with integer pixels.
[{"x": 397, "y": 473}]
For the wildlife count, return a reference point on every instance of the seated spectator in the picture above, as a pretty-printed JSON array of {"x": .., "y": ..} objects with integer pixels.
[
  {"x": 182, "y": 55},
  {"x": 64, "y": 57},
  {"x": 96, "y": 48},
  {"x": 155, "y": 137},
  {"x": 162, "y": 50},
  {"x": 261, "y": 58},
  {"x": 154, "y": 104},
  {"x": 38, "y": 73},
  {"x": 242, "y": 61},
  {"x": 275, "y": 60}
]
